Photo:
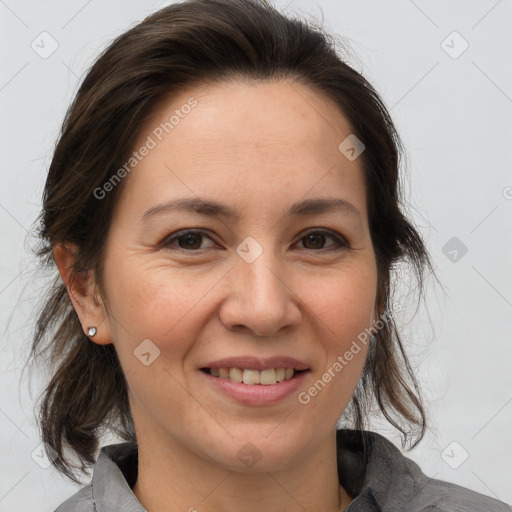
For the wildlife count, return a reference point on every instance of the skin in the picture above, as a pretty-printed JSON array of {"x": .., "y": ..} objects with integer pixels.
[{"x": 258, "y": 147}]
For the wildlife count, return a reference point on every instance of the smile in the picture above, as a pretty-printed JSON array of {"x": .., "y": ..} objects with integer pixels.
[
  {"x": 250, "y": 376},
  {"x": 253, "y": 387}
]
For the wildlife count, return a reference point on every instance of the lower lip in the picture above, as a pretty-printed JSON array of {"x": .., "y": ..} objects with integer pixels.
[{"x": 257, "y": 394}]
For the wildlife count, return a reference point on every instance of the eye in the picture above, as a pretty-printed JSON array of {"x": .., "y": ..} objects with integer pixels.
[
  {"x": 189, "y": 240},
  {"x": 315, "y": 239}
]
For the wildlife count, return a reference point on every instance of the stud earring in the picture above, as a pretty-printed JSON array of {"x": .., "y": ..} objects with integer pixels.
[{"x": 91, "y": 331}]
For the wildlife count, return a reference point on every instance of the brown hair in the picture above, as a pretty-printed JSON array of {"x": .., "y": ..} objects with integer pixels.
[{"x": 192, "y": 42}]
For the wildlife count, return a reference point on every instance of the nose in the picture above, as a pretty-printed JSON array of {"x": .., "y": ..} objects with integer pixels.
[{"x": 260, "y": 297}]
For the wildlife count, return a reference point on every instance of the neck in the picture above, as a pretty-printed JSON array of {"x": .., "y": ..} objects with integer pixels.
[{"x": 173, "y": 479}]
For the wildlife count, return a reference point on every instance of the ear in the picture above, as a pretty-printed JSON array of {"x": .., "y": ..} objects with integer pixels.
[{"x": 84, "y": 294}]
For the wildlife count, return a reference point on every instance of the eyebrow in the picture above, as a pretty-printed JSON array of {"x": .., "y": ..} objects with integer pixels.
[{"x": 215, "y": 209}]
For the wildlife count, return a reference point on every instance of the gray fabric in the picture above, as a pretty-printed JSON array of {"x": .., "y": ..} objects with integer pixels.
[{"x": 370, "y": 467}]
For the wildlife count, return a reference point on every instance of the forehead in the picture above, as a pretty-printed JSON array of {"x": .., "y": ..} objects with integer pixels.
[
  {"x": 252, "y": 113},
  {"x": 245, "y": 137}
]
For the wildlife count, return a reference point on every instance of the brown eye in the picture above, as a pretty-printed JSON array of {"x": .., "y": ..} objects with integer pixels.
[
  {"x": 316, "y": 240},
  {"x": 186, "y": 240},
  {"x": 190, "y": 241}
]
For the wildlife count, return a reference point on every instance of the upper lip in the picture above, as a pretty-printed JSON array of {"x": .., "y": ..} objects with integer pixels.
[{"x": 257, "y": 363}]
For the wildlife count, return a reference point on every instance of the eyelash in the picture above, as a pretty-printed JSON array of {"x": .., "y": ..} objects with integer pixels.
[{"x": 167, "y": 242}]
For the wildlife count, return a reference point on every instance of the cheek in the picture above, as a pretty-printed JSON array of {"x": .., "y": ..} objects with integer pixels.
[
  {"x": 343, "y": 305},
  {"x": 342, "y": 310},
  {"x": 163, "y": 305},
  {"x": 155, "y": 302}
]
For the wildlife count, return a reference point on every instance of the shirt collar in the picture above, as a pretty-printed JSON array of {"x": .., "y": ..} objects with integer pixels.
[
  {"x": 115, "y": 473},
  {"x": 376, "y": 473},
  {"x": 370, "y": 468}
]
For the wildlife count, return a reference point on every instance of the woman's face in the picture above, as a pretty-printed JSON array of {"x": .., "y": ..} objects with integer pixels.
[{"x": 253, "y": 286}]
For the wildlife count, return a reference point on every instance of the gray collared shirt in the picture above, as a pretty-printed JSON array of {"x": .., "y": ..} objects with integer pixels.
[{"x": 370, "y": 468}]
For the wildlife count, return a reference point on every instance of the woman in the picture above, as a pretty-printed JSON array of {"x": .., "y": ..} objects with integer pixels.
[{"x": 223, "y": 210}]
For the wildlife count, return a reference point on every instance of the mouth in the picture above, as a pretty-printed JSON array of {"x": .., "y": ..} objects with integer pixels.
[
  {"x": 267, "y": 384},
  {"x": 254, "y": 377}
]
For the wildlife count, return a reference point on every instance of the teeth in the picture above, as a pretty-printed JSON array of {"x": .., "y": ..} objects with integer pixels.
[
  {"x": 269, "y": 376},
  {"x": 252, "y": 377},
  {"x": 236, "y": 375},
  {"x": 280, "y": 374}
]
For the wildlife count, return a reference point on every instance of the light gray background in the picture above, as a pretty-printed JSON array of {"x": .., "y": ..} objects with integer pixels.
[{"x": 455, "y": 117}]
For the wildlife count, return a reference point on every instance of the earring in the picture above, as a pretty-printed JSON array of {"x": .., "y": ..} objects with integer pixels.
[{"x": 91, "y": 331}]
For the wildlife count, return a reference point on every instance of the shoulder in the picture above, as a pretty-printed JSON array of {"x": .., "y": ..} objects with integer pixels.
[
  {"x": 114, "y": 474},
  {"x": 441, "y": 496},
  {"x": 382, "y": 479},
  {"x": 81, "y": 501}
]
